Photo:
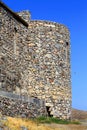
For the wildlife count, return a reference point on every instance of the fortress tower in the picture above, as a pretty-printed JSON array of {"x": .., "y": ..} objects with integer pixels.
[{"x": 35, "y": 60}]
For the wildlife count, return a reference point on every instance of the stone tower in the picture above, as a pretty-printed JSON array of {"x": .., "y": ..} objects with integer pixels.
[
  {"x": 35, "y": 60},
  {"x": 49, "y": 66}
]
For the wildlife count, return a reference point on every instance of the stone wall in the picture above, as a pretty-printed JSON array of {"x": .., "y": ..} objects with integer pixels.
[
  {"x": 12, "y": 106},
  {"x": 25, "y": 15},
  {"x": 35, "y": 61},
  {"x": 49, "y": 66},
  {"x": 13, "y": 52}
]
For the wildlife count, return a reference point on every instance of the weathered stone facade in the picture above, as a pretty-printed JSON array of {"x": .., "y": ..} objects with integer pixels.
[
  {"x": 18, "y": 105},
  {"x": 35, "y": 61}
]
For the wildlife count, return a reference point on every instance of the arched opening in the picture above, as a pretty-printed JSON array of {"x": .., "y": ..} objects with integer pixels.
[{"x": 48, "y": 111}]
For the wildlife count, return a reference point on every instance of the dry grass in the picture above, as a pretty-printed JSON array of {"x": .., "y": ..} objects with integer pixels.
[
  {"x": 17, "y": 123},
  {"x": 79, "y": 114},
  {"x": 68, "y": 127}
]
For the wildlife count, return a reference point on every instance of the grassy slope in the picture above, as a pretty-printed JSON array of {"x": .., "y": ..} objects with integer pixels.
[{"x": 17, "y": 123}]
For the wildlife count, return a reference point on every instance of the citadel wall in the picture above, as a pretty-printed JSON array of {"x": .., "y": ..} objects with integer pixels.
[
  {"x": 12, "y": 51},
  {"x": 49, "y": 66},
  {"x": 13, "y": 66},
  {"x": 35, "y": 61}
]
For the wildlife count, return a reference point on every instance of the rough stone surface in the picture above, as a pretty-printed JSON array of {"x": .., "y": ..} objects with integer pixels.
[
  {"x": 35, "y": 61},
  {"x": 21, "y": 108}
]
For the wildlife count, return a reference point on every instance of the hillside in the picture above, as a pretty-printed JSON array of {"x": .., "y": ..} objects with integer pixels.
[{"x": 79, "y": 114}]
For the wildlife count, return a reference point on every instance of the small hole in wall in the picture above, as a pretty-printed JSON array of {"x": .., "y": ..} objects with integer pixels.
[
  {"x": 33, "y": 56},
  {"x": 15, "y": 29},
  {"x": 2, "y": 81},
  {"x": 2, "y": 58},
  {"x": 50, "y": 29},
  {"x": 67, "y": 43}
]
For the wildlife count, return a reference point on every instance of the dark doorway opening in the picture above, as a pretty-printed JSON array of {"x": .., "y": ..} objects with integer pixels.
[
  {"x": 48, "y": 111},
  {"x": 67, "y": 43}
]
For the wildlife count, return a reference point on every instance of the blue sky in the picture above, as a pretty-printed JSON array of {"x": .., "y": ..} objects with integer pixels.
[{"x": 72, "y": 13}]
